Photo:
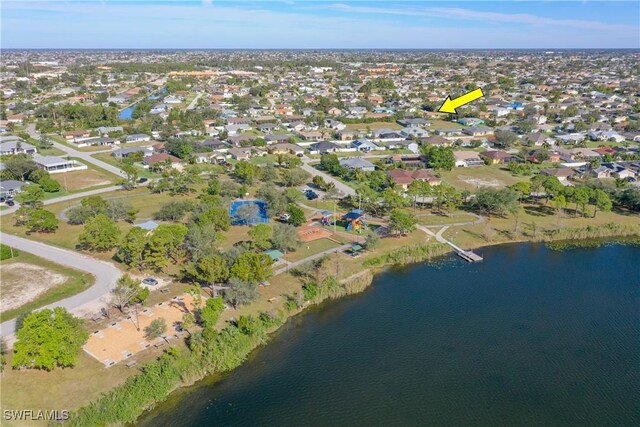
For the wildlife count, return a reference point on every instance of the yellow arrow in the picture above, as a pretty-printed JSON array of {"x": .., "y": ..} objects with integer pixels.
[{"x": 449, "y": 105}]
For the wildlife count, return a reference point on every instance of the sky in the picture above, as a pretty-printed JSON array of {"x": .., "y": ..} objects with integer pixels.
[{"x": 305, "y": 24}]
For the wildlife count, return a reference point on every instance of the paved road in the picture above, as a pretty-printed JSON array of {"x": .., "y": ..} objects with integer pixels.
[
  {"x": 85, "y": 156},
  {"x": 193, "y": 103},
  {"x": 342, "y": 187},
  {"x": 105, "y": 273},
  {"x": 69, "y": 197}
]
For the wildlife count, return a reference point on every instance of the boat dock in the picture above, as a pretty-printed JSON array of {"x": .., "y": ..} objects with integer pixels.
[{"x": 469, "y": 256}]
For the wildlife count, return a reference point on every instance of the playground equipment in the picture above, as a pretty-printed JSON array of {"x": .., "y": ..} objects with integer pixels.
[{"x": 354, "y": 220}]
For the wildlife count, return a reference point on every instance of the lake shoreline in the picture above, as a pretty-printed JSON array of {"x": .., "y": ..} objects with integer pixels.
[{"x": 371, "y": 274}]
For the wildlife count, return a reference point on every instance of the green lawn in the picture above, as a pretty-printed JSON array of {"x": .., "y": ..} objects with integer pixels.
[
  {"x": 77, "y": 281},
  {"x": 481, "y": 176},
  {"x": 311, "y": 248},
  {"x": 444, "y": 219}
]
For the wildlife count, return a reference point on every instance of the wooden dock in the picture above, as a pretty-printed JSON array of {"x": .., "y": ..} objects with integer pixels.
[{"x": 469, "y": 256}]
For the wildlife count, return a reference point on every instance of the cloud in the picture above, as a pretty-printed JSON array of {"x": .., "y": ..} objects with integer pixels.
[{"x": 481, "y": 16}]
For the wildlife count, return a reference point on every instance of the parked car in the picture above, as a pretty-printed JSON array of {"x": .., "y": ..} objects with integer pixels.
[
  {"x": 311, "y": 195},
  {"x": 150, "y": 281},
  {"x": 10, "y": 202},
  {"x": 284, "y": 217},
  {"x": 143, "y": 180}
]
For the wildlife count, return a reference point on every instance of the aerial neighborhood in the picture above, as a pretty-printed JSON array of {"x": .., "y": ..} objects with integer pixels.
[{"x": 166, "y": 205}]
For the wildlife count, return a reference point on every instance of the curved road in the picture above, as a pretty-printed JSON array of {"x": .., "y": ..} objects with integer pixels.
[{"x": 105, "y": 273}]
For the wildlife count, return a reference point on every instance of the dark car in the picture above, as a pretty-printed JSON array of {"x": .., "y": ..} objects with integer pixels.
[
  {"x": 312, "y": 195},
  {"x": 10, "y": 202},
  {"x": 143, "y": 180}
]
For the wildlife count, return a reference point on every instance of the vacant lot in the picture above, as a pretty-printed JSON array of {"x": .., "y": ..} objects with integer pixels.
[
  {"x": 22, "y": 283},
  {"x": 30, "y": 282},
  {"x": 82, "y": 180},
  {"x": 373, "y": 126},
  {"x": 311, "y": 248},
  {"x": 483, "y": 176}
]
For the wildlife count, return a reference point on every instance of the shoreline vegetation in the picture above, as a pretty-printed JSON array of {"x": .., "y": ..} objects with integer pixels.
[{"x": 215, "y": 352}]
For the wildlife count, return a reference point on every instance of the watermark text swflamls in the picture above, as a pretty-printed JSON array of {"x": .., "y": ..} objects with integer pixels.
[{"x": 35, "y": 415}]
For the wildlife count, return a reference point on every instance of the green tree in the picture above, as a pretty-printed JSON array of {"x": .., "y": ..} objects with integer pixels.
[
  {"x": 42, "y": 221},
  {"x": 439, "y": 157},
  {"x": 156, "y": 328},
  {"x": 581, "y": 197},
  {"x": 202, "y": 240},
  {"x": 100, "y": 233},
  {"x": 210, "y": 313},
  {"x": 251, "y": 267},
  {"x": 20, "y": 165},
  {"x": 210, "y": 269},
  {"x": 245, "y": 172},
  {"x": 497, "y": 201},
  {"x": 241, "y": 292},
  {"x": 164, "y": 245},
  {"x": 31, "y": 196},
  {"x": 401, "y": 222},
  {"x": 260, "y": 235},
  {"x": 523, "y": 188},
  {"x": 285, "y": 237},
  {"x": 217, "y": 217},
  {"x": 131, "y": 249},
  {"x": 188, "y": 322},
  {"x": 127, "y": 291},
  {"x": 600, "y": 200},
  {"x": 49, "y": 185},
  {"x": 296, "y": 215},
  {"x": 294, "y": 177},
  {"x": 132, "y": 174},
  {"x": 49, "y": 338}
]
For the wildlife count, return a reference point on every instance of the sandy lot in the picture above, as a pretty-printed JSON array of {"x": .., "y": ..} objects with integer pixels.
[
  {"x": 22, "y": 282},
  {"x": 80, "y": 180},
  {"x": 481, "y": 182}
]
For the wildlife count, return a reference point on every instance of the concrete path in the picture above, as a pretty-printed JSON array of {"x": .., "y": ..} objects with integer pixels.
[
  {"x": 342, "y": 187},
  {"x": 105, "y": 273},
  {"x": 193, "y": 103},
  {"x": 85, "y": 156},
  {"x": 292, "y": 265}
]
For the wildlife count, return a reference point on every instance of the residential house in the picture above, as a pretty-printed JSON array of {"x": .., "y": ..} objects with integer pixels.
[
  {"x": 357, "y": 163},
  {"x": 137, "y": 137},
  {"x": 413, "y": 123},
  {"x": 334, "y": 124},
  {"x": 324, "y": 147},
  {"x": 436, "y": 141},
  {"x": 128, "y": 151},
  {"x": 471, "y": 121},
  {"x": 467, "y": 159},
  {"x": 277, "y": 138},
  {"x": 53, "y": 164},
  {"x": 449, "y": 132},
  {"x": 311, "y": 135},
  {"x": 563, "y": 174},
  {"x": 286, "y": 148},
  {"x": 365, "y": 145},
  {"x": 415, "y": 132},
  {"x": 104, "y": 130},
  {"x": 16, "y": 146},
  {"x": 236, "y": 128},
  {"x": 477, "y": 131},
  {"x": 403, "y": 178},
  {"x": 10, "y": 187},
  {"x": 537, "y": 139},
  {"x": 156, "y": 160},
  {"x": 240, "y": 153},
  {"x": 496, "y": 157}
]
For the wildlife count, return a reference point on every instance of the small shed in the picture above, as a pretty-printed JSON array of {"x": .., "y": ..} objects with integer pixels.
[{"x": 274, "y": 254}]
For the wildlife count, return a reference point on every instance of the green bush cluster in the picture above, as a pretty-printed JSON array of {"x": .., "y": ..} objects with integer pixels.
[{"x": 409, "y": 254}]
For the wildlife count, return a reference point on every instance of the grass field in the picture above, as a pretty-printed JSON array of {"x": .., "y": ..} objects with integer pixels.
[
  {"x": 373, "y": 126},
  {"x": 311, "y": 248},
  {"x": 483, "y": 176},
  {"x": 531, "y": 224},
  {"x": 444, "y": 219},
  {"x": 74, "y": 281},
  {"x": 83, "y": 180},
  {"x": 108, "y": 158}
]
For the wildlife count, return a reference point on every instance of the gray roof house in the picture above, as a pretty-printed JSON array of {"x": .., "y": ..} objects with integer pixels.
[
  {"x": 16, "y": 146},
  {"x": 11, "y": 187},
  {"x": 357, "y": 163}
]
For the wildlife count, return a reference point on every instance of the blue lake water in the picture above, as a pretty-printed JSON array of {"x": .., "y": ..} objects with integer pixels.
[{"x": 530, "y": 336}]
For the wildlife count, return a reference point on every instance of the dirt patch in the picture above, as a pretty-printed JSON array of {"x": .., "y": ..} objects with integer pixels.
[
  {"x": 22, "y": 283},
  {"x": 478, "y": 182}
]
